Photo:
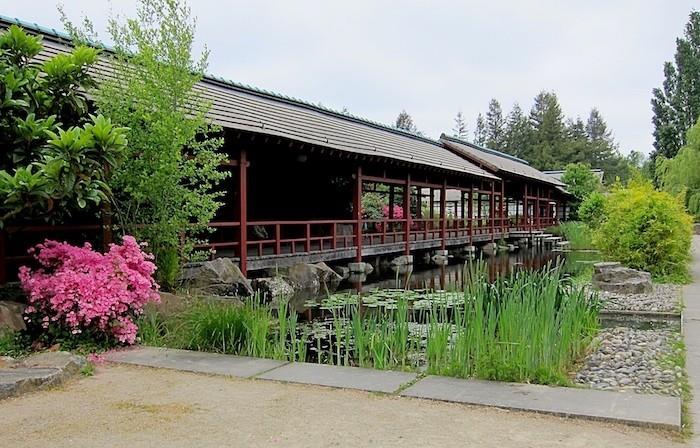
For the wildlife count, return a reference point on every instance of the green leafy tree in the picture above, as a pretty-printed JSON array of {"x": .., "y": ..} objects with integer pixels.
[
  {"x": 164, "y": 190},
  {"x": 646, "y": 229},
  {"x": 676, "y": 105},
  {"x": 495, "y": 126},
  {"x": 681, "y": 174},
  {"x": 592, "y": 209},
  {"x": 580, "y": 180},
  {"x": 54, "y": 157}
]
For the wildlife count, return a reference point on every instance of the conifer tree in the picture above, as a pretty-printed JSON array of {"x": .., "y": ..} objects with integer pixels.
[
  {"x": 676, "y": 105},
  {"x": 405, "y": 122},
  {"x": 460, "y": 128},
  {"x": 495, "y": 126},
  {"x": 480, "y": 131}
]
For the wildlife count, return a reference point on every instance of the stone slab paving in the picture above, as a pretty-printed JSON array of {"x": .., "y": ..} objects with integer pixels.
[
  {"x": 645, "y": 410},
  {"x": 691, "y": 334},
  {"x": 344, "y": 377},
  {"x": 16, "y": 381},
  {"x": 37, "y": 371},
  {"x": 191, "y": 361}
]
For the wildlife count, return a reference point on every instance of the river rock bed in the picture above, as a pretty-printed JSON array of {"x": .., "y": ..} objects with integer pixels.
[
  {"x": 629, "y": 359},
  {"x": 663, "y": 298}
]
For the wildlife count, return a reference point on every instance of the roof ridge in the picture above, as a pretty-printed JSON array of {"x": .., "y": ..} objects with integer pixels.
[
  {"x": 238, "y": 85},
  {"x": 485, "y": 149}
]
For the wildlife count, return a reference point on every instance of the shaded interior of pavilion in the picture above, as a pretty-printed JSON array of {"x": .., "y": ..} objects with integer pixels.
[{"x": 299, "y": 198}]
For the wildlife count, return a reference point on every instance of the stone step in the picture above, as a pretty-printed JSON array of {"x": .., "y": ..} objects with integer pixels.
[{"x": 624, "y": 407}]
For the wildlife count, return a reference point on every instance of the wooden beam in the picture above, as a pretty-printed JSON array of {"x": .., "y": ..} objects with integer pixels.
[
  {"x": 357, "y": 211},
  {"x": 407, "y": 213},
  {"x": 243, "y": 211},
  {"x": 443, "y": 215}
]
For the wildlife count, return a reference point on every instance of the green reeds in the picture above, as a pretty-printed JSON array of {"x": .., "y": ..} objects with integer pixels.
[{"x": 526, "y": 327}]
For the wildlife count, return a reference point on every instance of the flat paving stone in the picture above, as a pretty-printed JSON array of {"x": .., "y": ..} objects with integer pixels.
[
  {"x": 15, "y": 381},
  {"x": 192, "y": 361},
  {"x": 637, "y": 409},
  {"x": 343, "y": 377}
]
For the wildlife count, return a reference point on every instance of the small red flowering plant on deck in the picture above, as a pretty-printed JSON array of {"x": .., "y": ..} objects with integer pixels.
[{"x": 79, "y": 290}]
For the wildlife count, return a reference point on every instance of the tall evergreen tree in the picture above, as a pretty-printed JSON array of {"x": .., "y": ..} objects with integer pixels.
[
  {"x": 676, "y": 105},
  {"x": 577, "y": 148},
  {"x": 460, "y": 129},
  {"x": 547, "y": 122},
  {"x": 518, "y": 133},
  {"x": 405, "y": 122},
  {"x": 480, "y": 131},
  {"x": 495, "y": 126}
]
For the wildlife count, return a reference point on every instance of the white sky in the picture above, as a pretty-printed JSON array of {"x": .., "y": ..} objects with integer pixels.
[{"x": 433, "y": 58}]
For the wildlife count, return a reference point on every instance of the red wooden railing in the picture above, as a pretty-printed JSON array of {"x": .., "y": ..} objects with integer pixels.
[{"x": 273, "y": 238}]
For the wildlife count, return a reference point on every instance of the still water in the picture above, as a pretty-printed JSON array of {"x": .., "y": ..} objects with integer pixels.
[{"x": 450, "y": 277}]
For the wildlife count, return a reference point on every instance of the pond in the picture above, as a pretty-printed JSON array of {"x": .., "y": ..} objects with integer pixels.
[{"x": 451, "y": 277}]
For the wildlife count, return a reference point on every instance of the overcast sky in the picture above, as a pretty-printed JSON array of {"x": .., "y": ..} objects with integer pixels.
[{"x": 433, "y": 58}]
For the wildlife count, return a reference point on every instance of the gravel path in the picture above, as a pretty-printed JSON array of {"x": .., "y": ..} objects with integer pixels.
[
  {"x": 633, "y": 359},
  {"x": 137, "y": 407},
  {"x": 663, "y": 298}
]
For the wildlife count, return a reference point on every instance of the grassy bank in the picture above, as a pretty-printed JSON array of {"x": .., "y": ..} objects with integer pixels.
[
  {"x": 528, "y": 327},
  {"x": 578, "y": 234}
]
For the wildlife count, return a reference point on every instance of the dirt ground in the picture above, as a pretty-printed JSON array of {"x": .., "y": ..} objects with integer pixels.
[{"x": 139, "y": 407}]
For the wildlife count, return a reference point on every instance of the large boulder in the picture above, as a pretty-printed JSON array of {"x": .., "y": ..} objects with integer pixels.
[
  {"x": 613, "y": 277},
  {"x": 220, "y": 277},
  {"x": 402, "y": 260},
  {"x": 303, "y": 277},
  {"x": 273, "y": 288},
  {"x": 326, "y": 275},
  {"x": 11, "y": 315}
]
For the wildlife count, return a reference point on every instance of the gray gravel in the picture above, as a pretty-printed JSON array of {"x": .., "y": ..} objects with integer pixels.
[
  {"x": 629, "y": 359},
  {"x": 663, "y": 298}
]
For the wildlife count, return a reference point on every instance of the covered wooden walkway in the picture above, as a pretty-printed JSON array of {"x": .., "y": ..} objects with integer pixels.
[{"x": 302, "y": 176}]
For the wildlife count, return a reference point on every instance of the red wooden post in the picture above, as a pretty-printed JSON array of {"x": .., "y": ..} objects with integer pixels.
[
  {"x": 525, "y": 211},
  {"x": 537, "y": 208},
  {"x": 407, "y": 212},
  {"x": 478, "y": 211},
  {"x": 357, "y": 210},
  {"x": 470, "y": 212},
  {"x": 492, "y": 210},
  {"x": 243, "y": 199},
  {"x": 278, "y": 237},
  {"x": 504, "y": 209},
  {"x": 3, "y": 256},
  {"x": 308, "y": 237},
  {"x": 334, "y": 233},
  {"x": 443, "y": 214},
  {"x": 419, "y": 201},
  {"x": 432, "y": 203}
]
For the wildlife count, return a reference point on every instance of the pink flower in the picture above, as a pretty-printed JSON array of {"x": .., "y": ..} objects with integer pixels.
[
  {"x": 80, "y": 289},
  {"x": 398, "y": 211}
]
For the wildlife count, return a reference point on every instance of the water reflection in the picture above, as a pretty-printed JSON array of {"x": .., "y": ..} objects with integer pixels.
[{"x": 451, "y": 277}]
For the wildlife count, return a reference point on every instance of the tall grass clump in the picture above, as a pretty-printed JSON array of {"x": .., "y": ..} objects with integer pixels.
[
  {"x": 528, "y": 327},
  {"x": 578, "y": 234},
  {"x": 247, "y": 329}
]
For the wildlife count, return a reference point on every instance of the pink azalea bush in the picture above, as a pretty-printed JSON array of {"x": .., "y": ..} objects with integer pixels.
[
  {"x": 398, "y": 211},
  {"x": 79, "y": 289}
]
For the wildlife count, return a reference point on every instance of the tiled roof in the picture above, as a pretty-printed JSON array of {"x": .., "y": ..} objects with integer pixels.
[
  {"x": 242, "y": 107},
  {"x": 496, "y": 161}
]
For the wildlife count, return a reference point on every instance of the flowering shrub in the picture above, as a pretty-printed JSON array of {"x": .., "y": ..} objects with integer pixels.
[
  {"x": 398, "y": 211},
  {"x": 80, "y": 290}
]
